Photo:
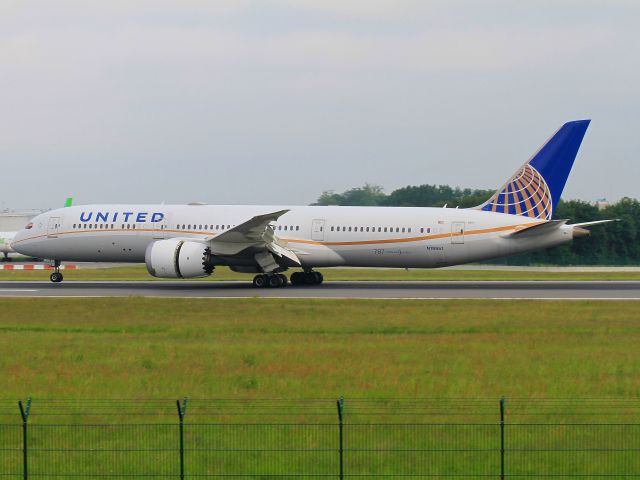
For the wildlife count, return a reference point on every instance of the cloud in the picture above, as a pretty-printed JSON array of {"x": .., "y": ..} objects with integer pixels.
[{"x": 223, "y": 86}]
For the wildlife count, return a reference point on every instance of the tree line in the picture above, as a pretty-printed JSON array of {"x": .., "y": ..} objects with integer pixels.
[{"x": 615, "y": 243}]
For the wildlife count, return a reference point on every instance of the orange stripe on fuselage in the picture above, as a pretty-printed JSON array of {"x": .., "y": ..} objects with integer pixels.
[{"x": 311, "y": 242}]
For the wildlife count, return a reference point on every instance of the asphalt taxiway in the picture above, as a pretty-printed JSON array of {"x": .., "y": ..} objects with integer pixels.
[{"x": 546, "y": 290}]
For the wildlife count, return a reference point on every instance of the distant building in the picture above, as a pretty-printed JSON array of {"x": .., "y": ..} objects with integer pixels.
[
  {"x": 11, "y": 221},
  {"x": 602, "y": 203}
]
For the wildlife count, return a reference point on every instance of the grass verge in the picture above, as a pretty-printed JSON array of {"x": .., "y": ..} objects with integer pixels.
[
  {"x": 139, "y": 273},
  {"x": 139, "y": 347}
]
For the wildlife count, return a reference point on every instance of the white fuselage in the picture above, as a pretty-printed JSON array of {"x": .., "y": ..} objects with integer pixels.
[{"x": 321, "y": 236}]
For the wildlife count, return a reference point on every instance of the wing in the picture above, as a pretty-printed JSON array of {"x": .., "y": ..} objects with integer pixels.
[{"x": 255, "y": 235}]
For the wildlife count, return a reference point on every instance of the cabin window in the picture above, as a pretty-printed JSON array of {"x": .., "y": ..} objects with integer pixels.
[
  {"x": 112, "y": 226},
  {"x": 90, "y": 225},
  {"x": 297, "y": 227},
  {"x": 402, "y": 229},
  {"x": 409, "y": 229},
  {"x": 134, "y": 226},
  {"x": 128, "y": 226},
  {"x": 332, "y": 229},
  {"x": 397, "y": 229},
  {"x": 428, "y": 230},
  {"x": 385, "y": 229}
]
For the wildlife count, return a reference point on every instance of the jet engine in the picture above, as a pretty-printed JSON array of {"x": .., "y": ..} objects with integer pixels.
[{"x": 175, "y": 258}]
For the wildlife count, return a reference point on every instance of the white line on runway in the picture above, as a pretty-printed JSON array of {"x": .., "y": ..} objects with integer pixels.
[{"x": 544, "y": 299}]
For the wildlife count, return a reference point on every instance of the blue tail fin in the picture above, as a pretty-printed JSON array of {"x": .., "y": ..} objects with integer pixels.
[{"x": 535, "y": 189}]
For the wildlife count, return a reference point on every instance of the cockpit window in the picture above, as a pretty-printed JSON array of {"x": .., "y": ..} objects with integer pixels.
[{"x": 28, "y": 226}]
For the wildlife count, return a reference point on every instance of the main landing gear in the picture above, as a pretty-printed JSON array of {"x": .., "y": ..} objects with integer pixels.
[
  {"x": 56, "y": 276},
  {"x": 308, "y": 277},
  {"x": 275, "y": 280}
]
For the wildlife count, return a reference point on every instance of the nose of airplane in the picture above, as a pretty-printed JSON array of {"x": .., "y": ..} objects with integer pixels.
[{"x": 20, "y": 241}]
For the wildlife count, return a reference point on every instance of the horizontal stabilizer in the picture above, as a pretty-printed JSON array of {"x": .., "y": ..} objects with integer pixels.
[
  {"x": 580, "y": 231},
  {"x": 537, "y": 228},
  {"x": 596, "y": 222}
]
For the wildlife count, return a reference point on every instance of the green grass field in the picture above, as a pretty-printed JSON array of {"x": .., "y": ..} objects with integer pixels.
[
  {"x": 264, "y": 348},
  {"x": 136, "y": 347},
  {"x": 139, "y": 272}
]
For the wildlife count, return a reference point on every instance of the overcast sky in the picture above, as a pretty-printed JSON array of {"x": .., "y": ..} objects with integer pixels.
[{"x": 275, "y": 101}]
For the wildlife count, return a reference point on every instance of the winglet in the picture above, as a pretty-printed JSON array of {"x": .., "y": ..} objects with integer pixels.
[{"x": 68, "y": 202}]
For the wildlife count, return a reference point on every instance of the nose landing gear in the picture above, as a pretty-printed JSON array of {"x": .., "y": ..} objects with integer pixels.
[{"x": 56, "y": 276}]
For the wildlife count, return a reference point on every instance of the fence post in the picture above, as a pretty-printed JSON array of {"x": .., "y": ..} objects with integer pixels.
[
  {"x": 181, "y": 412},
  {"x": 340, "y": 403},
  {"x": 502, "y": 438},
  {"x": 24, "y": 413}
]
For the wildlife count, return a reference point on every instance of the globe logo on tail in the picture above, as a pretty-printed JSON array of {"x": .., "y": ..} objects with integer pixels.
[{"x": 526, "y": 194}]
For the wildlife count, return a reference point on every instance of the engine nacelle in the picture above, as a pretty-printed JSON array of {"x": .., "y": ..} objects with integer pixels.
[{"x": 175, "y": 258}]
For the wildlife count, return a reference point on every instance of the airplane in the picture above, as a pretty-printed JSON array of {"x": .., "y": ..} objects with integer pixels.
[
  {"x": 6, "y": 238},
  {"x": 190, "y": 241},
  {"x": 5, "y": 244}
]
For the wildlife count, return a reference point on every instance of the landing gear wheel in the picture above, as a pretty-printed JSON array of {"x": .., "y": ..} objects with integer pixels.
[
  {"x": 275, "y": 281},
  {"x": 285, "y": 280},
  {"x": 260, "y": 281},
  {"x": 306, "y": 278},
  {"x": 56, "y": 277},
  {"x": 310, "y": 278}
]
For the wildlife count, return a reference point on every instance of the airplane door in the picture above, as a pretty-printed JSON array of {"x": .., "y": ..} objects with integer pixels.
[
  {"x": 53, "y": 228},
  {"x": 457, "y": 232},
  {"x": 317, "y": 230}
]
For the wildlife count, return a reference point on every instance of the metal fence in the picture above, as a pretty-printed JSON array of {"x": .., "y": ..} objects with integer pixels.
[{"x": 269, "y": 439}]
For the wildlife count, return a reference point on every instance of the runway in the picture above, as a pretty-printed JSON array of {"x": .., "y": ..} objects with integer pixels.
[{"x": 366, "y": 290}]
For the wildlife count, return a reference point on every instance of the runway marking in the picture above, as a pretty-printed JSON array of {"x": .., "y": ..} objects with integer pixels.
[
  {"x": 2, "y": 290},
  {"x": 537, "y": 299}
]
